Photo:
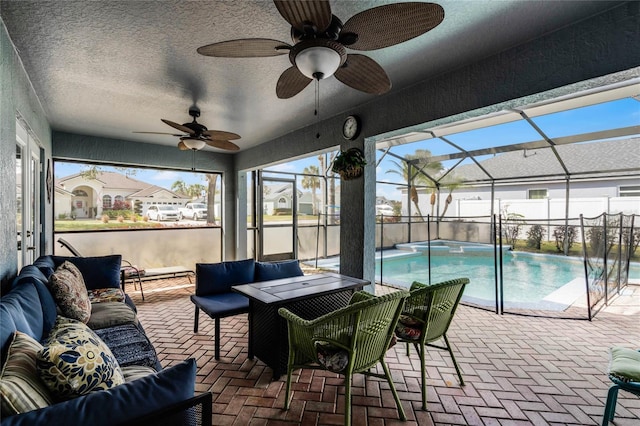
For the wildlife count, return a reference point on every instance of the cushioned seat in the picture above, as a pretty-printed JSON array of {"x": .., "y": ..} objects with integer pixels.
[
  {"x": 624, "y": 372},
  {"x": 214, "y": 295},
  {"x": 109, "y": 314},
  {"x": 225, "y": 304}
]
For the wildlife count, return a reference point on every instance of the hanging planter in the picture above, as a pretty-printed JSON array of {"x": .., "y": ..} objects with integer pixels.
[{"x": 349, "y": 164}]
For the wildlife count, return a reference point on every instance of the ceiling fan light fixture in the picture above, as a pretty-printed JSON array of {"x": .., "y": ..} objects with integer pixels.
[
  {"x": 194, "y": 144},
  {"x": 318, "y": 62}
]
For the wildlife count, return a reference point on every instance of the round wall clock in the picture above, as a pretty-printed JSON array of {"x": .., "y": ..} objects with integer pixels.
[{"x": 351, "y": 127}]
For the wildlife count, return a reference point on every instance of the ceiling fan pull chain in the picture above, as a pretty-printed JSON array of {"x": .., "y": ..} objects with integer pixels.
[{"x": 317, "y": 111}]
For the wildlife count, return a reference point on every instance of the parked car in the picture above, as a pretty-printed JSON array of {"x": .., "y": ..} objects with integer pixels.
[
  {"x": 162, "y": 212},
  {"x": 193, "y": 211}
]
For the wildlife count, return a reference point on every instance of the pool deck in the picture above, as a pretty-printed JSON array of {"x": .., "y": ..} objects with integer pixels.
[{"x": 518, "y": 370}]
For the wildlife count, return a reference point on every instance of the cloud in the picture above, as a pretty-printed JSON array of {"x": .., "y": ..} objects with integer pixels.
[{"x": 166, "y": 175}]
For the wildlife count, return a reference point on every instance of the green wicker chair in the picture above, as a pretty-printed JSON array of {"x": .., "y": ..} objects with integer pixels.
[
  {"x": 426, "y": 318},
  {"x": 346, "y": 341},
  {"x": 624, "y": 372}
]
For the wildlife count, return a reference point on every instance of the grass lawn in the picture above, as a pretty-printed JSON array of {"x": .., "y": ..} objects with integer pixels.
[{"x": 96, "y": 225}]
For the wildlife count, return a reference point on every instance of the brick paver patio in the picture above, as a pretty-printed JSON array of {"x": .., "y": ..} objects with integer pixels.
[{"x": 518, "y": 370}]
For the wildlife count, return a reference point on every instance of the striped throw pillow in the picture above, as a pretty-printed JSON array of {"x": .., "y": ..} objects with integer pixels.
[{"x": 21, "y": 388}]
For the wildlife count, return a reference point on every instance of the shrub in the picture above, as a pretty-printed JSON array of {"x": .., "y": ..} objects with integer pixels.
[
  {"x": 134, "y": 218},
  {"x": 63, "y": 216},
  {"x": 105, "y": 218},
  {"x": 534, "y": 236},
  {"x": 282, "y": 212},
  {"x": 559, "y": 234},
  {"x": 511, "y": 226},
  {"x": 120, "y": 219},
  {"x": 145, "y": 218}
]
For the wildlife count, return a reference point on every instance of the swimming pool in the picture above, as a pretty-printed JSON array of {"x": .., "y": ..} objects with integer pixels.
[{"x": 531, "y": 281}]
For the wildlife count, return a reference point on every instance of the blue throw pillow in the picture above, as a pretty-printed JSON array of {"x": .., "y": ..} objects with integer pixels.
[
  {"x": 46, "y": 265},
  {"x": 120, "y": 404},
  {"x": 277, "y": 270},
  {"x": 213, "y": 278},
  {"x": 20, "y": 310},
  {"x": 98, "y": 271}
]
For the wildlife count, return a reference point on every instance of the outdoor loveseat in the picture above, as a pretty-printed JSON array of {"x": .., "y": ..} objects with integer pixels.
[{"x": 49, "y": 372}]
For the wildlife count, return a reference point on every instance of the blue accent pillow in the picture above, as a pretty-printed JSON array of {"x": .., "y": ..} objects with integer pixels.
[
  {"x": 98, "y": 271},
  {"x": 213, "y": 278},
  {"x": 276, "y": 270},
  {"x": 120, "y": 404},
  {"x": 46, "y": 265},
  {"x": 20, "y": 310}
]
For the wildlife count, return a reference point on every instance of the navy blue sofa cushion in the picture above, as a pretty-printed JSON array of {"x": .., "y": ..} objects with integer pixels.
[
  {"x": 120, "y": 404},
  {"x": 277, "y": 270},
  {"x": 214, "y": 278},
  {"x": 30, "y": 275},
  {"x": 45, "y": 265},
  {"x": 222, "y": 304},
  {"x": 20, "y": 310},
  {"x": 98, "y": 271}
]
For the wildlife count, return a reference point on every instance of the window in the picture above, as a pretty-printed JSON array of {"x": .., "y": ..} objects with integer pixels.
[
  {"x": 537, "y": 194},
  {"x": 126, "y": 207},
  {"x": 629, "y": 191}
]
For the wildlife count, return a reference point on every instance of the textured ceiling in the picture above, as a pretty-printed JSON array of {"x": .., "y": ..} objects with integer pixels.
[{"x": 109, "y": 68}]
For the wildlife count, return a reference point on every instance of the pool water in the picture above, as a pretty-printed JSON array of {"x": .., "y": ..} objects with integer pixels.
[{"x": 528, "y": 279}]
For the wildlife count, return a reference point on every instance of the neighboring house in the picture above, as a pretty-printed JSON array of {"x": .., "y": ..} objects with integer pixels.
[
  {"x": 278, "y": 197},
  {"x": 613, "y": 187},
  {"x": 87, "y": 198},
  {"x": 615, "y": 159}
]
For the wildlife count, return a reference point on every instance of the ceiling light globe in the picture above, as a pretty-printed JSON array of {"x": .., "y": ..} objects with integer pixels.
[
  {"x": 318, "y": 62},
  {"x": 194, "y": 144}
]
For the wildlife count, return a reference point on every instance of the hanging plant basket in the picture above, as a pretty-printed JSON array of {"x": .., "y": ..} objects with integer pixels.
[{"x": 349, "y": 164}]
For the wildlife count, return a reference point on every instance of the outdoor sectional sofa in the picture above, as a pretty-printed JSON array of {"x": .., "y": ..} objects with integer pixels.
[{"x": 140, "y": 392}]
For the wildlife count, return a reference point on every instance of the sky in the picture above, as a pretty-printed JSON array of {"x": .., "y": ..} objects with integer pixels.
[{"x": 610, "y": 115}]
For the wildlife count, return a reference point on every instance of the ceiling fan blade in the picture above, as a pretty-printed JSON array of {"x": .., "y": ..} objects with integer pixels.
[
  {"x": 180, "y": 127},
  {"x": 384, "y": 26},
  {"x": 245, "y": 48},
  {"x": 226, "y": 145},
  {"x": 182, "y": 146},
  {"x": 290, "y": 83},
  {"x": 220, "y": 135},
  {"x": 299, "y": 13},
  {"x": 364, "y": 74},
  {"x": 158, "y": 133}
]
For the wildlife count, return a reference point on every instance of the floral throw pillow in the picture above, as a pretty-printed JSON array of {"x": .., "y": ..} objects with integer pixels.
[
  {"x": 101, "y": 295},
  {"x": 75, "y": 361},
  {"x": 408, "y": 328},
  {"x": 70, "y": 293},
  {"x": 332, "y": 358}
]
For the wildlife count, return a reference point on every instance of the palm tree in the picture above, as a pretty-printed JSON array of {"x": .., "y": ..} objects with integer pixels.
[
  {"x": 313, "y": 183},
  {"x": 452, "y": 184},
  {"x": 413, "y": 172},
  {"x": 179, "y": 187}
]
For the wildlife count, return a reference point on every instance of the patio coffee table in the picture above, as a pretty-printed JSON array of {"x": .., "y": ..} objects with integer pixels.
[{"x": 308, "y": 296}]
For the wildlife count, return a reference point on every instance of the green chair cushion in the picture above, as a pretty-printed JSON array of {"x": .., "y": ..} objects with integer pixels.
[{"x": 625, "y": 364}]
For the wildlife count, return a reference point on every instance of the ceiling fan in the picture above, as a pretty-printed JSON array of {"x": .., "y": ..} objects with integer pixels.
[
  {"x": 195, "y": 136},
  {"x": 320, "y": 42}
]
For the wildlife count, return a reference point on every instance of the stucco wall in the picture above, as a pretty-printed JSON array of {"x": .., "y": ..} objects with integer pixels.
[{"x": 16, "y": 96}]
